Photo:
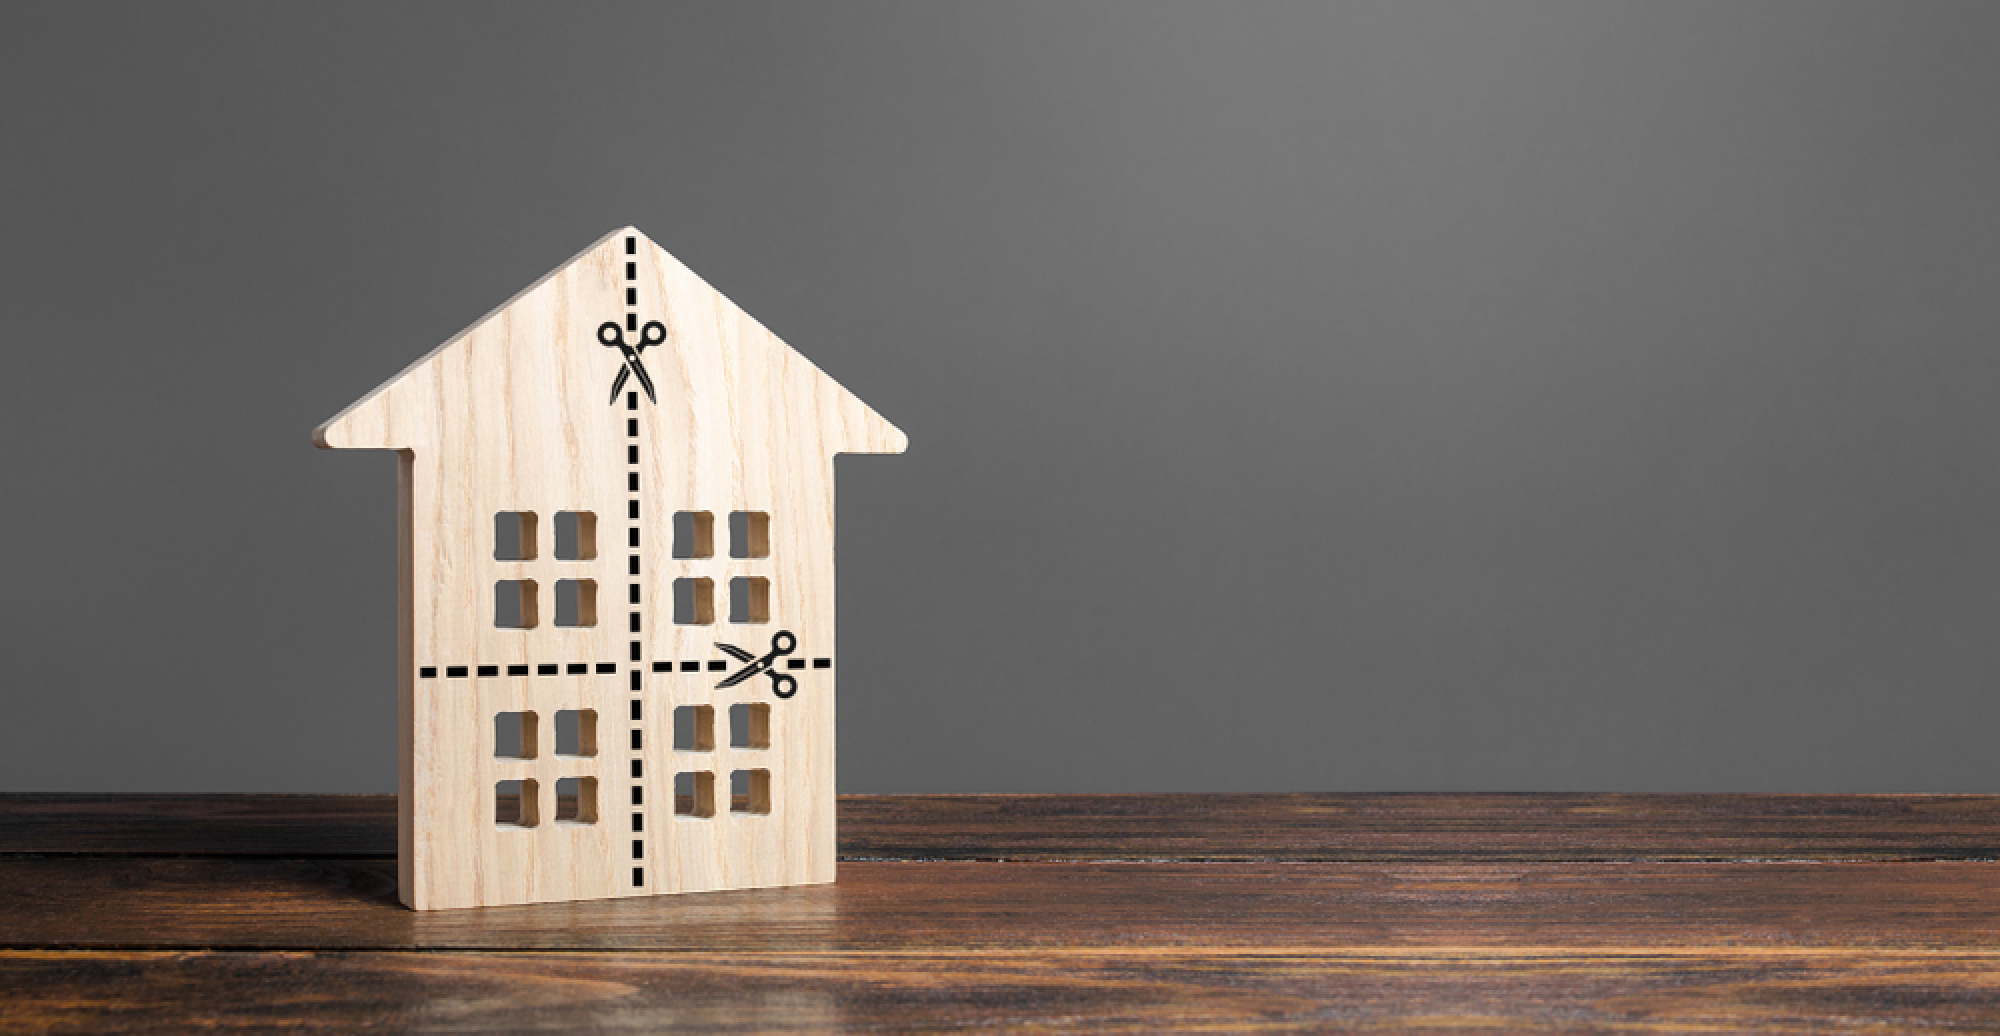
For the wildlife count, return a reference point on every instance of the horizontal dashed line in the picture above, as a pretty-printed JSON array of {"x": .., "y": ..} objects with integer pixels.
[{"x": 714, "y": 665}]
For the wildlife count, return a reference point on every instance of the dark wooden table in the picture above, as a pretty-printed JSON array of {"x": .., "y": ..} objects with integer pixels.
[{"x": 1059, "y": 913}]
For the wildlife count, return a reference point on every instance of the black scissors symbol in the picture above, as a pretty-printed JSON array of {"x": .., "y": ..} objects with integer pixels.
[
  {"x": 610, "y": 335},
  {"x": 782, "y": 684}
]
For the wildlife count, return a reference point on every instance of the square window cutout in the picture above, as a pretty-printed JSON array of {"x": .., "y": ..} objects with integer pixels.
[
  {"x": 576, "y": 732},
  {"x": 514, "y": 804},
  {"x": 514, "y": 536},
  {"x": 694, "y": 794},
  {"x": 694, "y": 602},
  {"x": 749, "y": 599},
  {"x": 576, "y": 535},
  {"x": 750, "y": 791},
  {"x": 576, "y": 602},
  {"x": 749, "y": 726},
  {"x": 749, "y": 534},
  {"x": 576, "y": 800},
  {"x": 694, "y": 728},
  {"x": 514, "y": 604},
  {"x": 694, "y": 534},
  {"x": 514, "y": 735}
]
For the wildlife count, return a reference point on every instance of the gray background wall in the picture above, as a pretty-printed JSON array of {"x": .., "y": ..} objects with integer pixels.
[{"x": 1354, "y": 396}]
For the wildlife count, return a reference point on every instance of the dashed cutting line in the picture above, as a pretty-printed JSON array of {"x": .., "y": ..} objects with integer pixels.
[{"x": 685, "y": 665}]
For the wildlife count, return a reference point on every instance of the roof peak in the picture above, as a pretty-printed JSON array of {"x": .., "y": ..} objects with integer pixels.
[{"x": 560, "y": 317}]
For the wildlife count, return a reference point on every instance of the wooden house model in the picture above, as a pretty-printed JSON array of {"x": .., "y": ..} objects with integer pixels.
[{"x": 615, "y": 609}]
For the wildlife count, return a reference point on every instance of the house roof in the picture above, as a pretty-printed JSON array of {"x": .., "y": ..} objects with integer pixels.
[{"x": 594, "y": 281}]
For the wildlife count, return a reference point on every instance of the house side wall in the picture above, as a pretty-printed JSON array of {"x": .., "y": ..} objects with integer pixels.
[
  {"x": 406, "y": 678},
  {"x": 512, "y": 433},
  {"x": 753, "y": 446}
]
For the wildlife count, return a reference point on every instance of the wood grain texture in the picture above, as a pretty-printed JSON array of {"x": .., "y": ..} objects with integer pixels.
[
  {"x": 532, "y": 412},
  {"x": 1483, "y": 913},
  {"x": 209, "y": 825},
  {"x": 1320, "y": 827},
  {"x": 1113, "y": 990},
  {"x": 1418, "y": 827},
  {"x": 158, "y": 903}
]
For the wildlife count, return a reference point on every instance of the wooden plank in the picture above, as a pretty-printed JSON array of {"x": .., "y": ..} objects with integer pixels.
[
  {"x": 1415, "y": 827},
  {"x": 1136, "y": 989},
  {"x": 205, "y": 825},
  {"x": 248, "y": 903},
  {"x": 1332, "y": 828}
]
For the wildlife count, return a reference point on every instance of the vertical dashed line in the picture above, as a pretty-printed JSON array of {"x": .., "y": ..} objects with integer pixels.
[{"x": 638, "y": 646}]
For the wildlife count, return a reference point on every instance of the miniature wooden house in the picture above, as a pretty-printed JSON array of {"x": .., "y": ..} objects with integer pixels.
[{"x": 615, "y": 548}]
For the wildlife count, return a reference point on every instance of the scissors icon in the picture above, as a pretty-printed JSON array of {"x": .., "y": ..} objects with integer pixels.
[
  {"x": 611, "y": 336},
  {"x": 782, "y": 684}
]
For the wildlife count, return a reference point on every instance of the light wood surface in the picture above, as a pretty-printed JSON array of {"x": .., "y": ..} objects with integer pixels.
[
  {"x": 518, "y": 414},
  {"x": 1072, "y": 913}
]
